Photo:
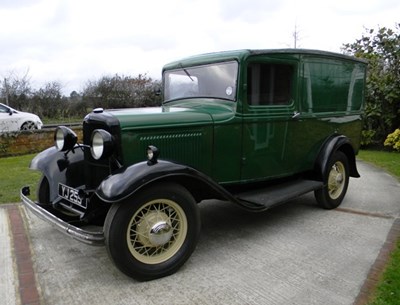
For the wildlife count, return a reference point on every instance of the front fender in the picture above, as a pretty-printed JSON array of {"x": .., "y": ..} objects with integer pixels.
[
  {"x": 60, "y": 168},
  {"x": 127, "y": 181}
]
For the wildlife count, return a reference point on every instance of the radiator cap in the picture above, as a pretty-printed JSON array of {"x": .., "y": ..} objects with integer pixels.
[{"x": 98, "y": 110}]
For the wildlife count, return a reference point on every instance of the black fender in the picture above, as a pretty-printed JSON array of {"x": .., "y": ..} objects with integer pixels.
[
  {"x": 59, "y": 167},
  {"x": 125, "y": 182},
  {"x": 331, "y": 145}
]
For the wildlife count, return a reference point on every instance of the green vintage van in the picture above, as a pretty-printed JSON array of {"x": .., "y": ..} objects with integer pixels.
[{"x": 254, "y": 127}]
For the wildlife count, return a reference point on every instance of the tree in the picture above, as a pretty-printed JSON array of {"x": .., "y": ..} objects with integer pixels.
[
  {"x": 77, "y": 107},
  {"x": 16, "y": 90},
  {"x": 381, "y": 48},
  {"x": 116, "y": 91},
  {"x": 48, "y": 101},
  {"x": 296, "y": 36},
  {"x": 121, "y": 92}
]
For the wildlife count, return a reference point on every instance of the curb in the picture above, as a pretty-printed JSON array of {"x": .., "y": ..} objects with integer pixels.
[
  {"x": 377, "y": 269},
  {"x": 27, "y": 286}
]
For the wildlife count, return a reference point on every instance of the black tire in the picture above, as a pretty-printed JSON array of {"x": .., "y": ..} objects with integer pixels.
[
  {"x": 152, "y": 234},
  {"x": 43, "y": 198},
  {"x": 336, "y": 180},
  {"x": 29, "y": 125},
  {"x": 43, "y": 192}
]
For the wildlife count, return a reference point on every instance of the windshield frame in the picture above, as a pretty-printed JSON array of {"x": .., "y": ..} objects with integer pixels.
[{"x": 223, "y": 86}]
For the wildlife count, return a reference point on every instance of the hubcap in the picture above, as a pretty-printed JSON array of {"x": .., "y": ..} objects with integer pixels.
[
  {"x": 154, "y": 229},
  {"x": 157, "y": 231},
  {"x": 28, "y": 126},
  {"x": 336, "y": 180},
  {"x": 160, "y": 233}
]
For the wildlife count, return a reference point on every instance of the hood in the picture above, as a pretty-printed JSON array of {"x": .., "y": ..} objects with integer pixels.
[
  {"x": 26, "y": 115},
  {"x": 184, "y": 114},
  {"x": 17, "y": 113}
]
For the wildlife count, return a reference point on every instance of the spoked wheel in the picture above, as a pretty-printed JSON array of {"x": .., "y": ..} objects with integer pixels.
[
  {"x": 28, "y": 126},
  {"x": 336, "y": 179},
  {"x": 154, "y": 233}
]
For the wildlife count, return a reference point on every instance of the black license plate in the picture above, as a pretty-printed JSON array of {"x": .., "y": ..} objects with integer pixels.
[{"x": 70, "y": 194}]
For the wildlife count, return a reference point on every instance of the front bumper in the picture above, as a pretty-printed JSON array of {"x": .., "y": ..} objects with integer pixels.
[{"x": 95, "y": 238}]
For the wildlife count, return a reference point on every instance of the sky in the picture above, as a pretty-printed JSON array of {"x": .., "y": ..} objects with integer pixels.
[{"x": 76, "y": 41}]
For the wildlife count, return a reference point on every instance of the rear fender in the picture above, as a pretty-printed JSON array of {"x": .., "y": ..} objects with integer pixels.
[
  {"x": 332, "y": 145},
  {"x": 59, "y": 167}
]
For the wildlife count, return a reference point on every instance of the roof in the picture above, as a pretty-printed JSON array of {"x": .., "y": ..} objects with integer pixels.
[{"x": 244, "y": 53}]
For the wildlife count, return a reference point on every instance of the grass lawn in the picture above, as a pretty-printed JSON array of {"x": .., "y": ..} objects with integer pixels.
[
  {"x": 62, "y": 120},
  {"x": 389, "y": 161},
  {"x": 388, "y": 290},
  {"x": 14, "y": 173}
]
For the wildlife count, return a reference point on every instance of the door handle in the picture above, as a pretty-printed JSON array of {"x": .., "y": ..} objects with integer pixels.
[{"x": 296, "y": 115}]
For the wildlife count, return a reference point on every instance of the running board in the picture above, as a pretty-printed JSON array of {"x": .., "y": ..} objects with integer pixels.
[{"x": 279, "y": 193}]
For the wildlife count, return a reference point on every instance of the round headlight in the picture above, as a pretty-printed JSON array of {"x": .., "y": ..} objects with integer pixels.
[
  {"x": 64, "y": 138},
  {"x": 102, "y": 144}
]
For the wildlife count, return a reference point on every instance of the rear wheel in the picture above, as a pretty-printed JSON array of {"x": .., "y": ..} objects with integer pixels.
[
  {"x": 153, "y": 234},
  {"x": 336, "y": 180}
]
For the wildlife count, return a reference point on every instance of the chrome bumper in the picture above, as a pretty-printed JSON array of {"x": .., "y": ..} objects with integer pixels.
[{"x": 95, "y": 238}]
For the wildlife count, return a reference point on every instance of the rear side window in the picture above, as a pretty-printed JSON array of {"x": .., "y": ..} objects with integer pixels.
[
  {"x": 332, "y": 86},
  {"x": 269, "y": 84}
]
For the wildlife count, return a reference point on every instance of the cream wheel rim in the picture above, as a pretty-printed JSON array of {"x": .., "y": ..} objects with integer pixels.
[
  {"x": 157, "y": 231},
  {"x": 336, "y": 180}
]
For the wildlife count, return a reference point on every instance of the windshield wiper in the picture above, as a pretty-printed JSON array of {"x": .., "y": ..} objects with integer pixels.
[{"x": 186, "y": 71}]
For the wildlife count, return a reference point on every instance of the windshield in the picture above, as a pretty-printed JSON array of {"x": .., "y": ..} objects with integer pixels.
[{"x": 214, "y": 80}]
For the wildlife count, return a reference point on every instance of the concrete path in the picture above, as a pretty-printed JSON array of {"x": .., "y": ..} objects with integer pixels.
[
  {"x": 8, "y": 280},
  {"x": 294, "y": 254}
]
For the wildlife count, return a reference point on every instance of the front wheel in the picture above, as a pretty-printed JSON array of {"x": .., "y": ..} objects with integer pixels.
[
  {"x": 336, "y": 180},
  {"x": 43, "y": 192},
  {"x": 154, "y": 233},
  {"x": 28, "y": 126}
]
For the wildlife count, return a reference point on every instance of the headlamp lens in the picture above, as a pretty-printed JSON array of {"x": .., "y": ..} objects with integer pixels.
[
  {"x": 102, "y": 144},
  {"x": 64, "y": 138},
  {"x": 97, "y": 147}
]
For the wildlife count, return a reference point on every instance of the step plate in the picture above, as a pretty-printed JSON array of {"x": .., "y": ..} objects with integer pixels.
[{"x": 280, "y": 193}]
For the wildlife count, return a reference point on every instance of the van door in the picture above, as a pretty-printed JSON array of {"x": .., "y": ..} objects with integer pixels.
[{"x": 269, "y": 117}]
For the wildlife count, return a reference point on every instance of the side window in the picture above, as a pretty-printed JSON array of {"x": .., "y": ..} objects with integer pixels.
[
  {"x": 3, "y": 109},
  {"x": 332, "y": 85},
  {"x": 269, "y": 84}
]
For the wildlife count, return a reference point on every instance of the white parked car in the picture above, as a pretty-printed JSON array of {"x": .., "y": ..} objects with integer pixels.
[{"x": 14, "y": 120}]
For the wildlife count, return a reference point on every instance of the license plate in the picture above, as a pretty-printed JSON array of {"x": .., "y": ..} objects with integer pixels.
[{"x": 71, "y": 194}]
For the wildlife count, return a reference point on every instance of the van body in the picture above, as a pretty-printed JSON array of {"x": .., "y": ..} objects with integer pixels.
[{"x": 253, "y": 127}]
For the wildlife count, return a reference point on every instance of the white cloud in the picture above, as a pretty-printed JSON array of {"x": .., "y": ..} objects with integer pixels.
[
  {"x": 73, "y": 41},
  {"x": 248, "y": 11}
]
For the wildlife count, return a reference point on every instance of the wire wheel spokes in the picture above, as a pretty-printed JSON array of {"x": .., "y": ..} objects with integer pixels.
[
  {"x": 336, "y": 180},
  {"x": 28, "y": 126},
  {"x": 157, "y": 231}
]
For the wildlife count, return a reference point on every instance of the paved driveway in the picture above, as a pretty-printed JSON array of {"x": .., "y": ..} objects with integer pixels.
[{"x": 294, "y": 254}]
